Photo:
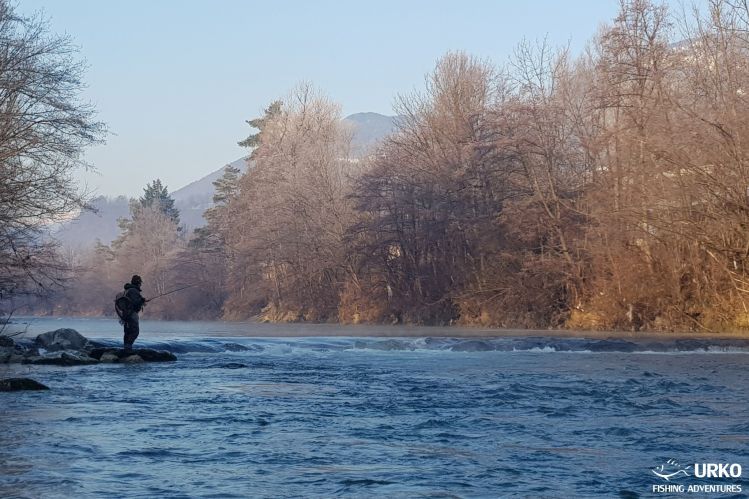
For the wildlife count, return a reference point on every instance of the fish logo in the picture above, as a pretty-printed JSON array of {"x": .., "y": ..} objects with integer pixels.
[{"x": 671, "y": 469}]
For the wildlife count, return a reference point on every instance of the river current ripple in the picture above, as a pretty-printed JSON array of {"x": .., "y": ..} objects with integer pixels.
[{"x": 251, "y": 417}]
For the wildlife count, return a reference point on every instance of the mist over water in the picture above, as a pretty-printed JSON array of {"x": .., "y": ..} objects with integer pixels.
[{"x": 240, "y": 416}]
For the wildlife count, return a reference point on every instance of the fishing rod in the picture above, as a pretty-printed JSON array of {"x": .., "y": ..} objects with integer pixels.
[{"x": 172, "y": 291}]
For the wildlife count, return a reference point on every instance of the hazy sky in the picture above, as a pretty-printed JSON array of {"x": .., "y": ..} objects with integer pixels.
[{"x": 176, "y": 80}]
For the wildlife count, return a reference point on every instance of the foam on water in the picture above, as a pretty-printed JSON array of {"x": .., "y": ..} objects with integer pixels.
[{"x": 429, "y": 344}]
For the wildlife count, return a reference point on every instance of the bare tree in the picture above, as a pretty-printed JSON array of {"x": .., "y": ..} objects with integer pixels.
[
  {"x": 431, "y": 198},
  {"x": 292, "y": 212},
  {"x": 44, "y": 127}
]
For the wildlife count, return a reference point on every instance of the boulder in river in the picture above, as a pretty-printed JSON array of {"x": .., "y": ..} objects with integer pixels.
[
  {"x": 132, "y": 359},
  {"x": 119, "y": 354},
  {"x": 472, "y": 346},
  {"x": 64, "y": 358},
  {"x": 18, "y": 384},
  {"x": 235, "y": 347},
  {"x": 62, "y": 339},
  {"x": 67, "y": 347},
  {"x": 5, "y": 354},
  {"x": 109, "y": 357},
  {"x": 12, "y": 352},
  {"x": 11, "y": 357},
  {"x": 610, "y": 345}
]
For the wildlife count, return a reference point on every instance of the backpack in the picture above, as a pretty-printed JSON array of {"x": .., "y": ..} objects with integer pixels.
[{"x": 123, "y": 306}]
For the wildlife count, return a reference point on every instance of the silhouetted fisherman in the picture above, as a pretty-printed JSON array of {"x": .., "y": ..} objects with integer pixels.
[{"x": 131, "y": 321}]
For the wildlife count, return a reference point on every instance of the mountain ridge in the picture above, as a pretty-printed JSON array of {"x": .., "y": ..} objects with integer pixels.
[{"x": 192, "y": 199}]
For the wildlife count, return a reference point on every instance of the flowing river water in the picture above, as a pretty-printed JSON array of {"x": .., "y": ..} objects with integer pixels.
[{"x": 320, "y": 414}]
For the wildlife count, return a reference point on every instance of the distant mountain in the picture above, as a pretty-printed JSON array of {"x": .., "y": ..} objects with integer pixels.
[
  {"x": 192, "y": 200},
  {"x": 369, "y": 129},
  {"x": 196, "y": 197},
  {"x": 91, "y": 226}
]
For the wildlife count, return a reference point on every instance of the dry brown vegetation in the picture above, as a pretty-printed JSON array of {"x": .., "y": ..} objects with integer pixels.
[{"x": 605, "y": 191}]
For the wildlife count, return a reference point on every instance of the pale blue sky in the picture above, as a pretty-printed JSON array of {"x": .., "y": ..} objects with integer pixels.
[{"x": 175, "y": 80}]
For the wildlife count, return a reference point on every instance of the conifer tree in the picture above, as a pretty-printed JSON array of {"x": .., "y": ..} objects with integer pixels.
[
  {"x": 155, "y": 197},
  {"x": 271, "y": 112},
  {"x": 211, "y": 236},
  {"x": 155, "y": 193}
]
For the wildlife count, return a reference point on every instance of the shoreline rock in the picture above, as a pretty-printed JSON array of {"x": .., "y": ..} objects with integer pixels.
[
  {"x": 62, "y": 339},
  {"x": 12, "y": 352},
  {"x": 67, "y": 347},
  {"x": 113, "y": 355},
  {"x": 19, "y": 384},
  {"x": 63, "y": 358}
]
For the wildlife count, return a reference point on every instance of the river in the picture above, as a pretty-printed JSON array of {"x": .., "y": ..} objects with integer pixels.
[{"x": 320, "y": 415}]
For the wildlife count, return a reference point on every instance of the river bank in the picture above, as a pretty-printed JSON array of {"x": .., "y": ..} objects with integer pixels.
[{"x": 109, "y": 326}]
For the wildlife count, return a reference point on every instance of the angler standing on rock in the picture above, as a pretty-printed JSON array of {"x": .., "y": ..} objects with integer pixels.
[{"x": 128, "y": 304}]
